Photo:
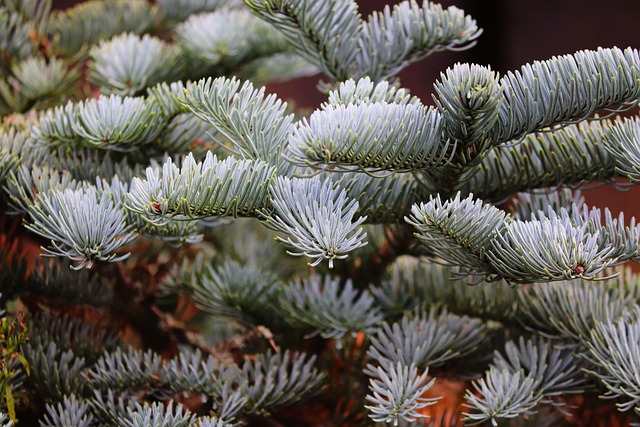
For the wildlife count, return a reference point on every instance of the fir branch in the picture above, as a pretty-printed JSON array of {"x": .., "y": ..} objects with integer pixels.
[
  {"x": 392, "y": 39},
  {"x": 168, "y": 230},
  {"x": 383, "y": 200},
  {"x": 528, "y": 205},
  {"x": 624, "y": 240},
  {"x": 243, "y": 293},
  {"x": 89, "y": 165},
  {"x": 54, "y": 373},
  {"x": 74, "y": 29},
  {"x": 271, "y": 381},
  {"x": 567, "y": 88},
  {"x": 502, "y": 393},
  {"x": 219, "y": 40},
  {"x": 625, "y": 281},
  {"x": 323, "y": 32},
  {"x": 167, "y": 97},
  {"x": 427, "y": 340},
  {"x": 35, "y": 11},
  {"x": 127, "y": 64},
  {"x": 84, "y": 225},
  {"x": 255, "y": 124},
  {"x": 212, "y": 422},
  {"x": 558, "y": 371},
  {"x": 231, "y": 403},
  {"x": 572, "y": 154},
  {"x": 469, "y": 101},
  {"x": 15, "y": 43},
  {"x": 548, "y": 249},
  {"x": 545, "y": 307},
  {"x": 202, "y": 189},
  {"x": 113, "y": 123},
  {"x": 85, "y": 339},
  {"x": 25, "y": 184},
  {"x": 131, "y": 369},
  {"x": 192, "y": 371},
  {"x": 316, "y": 217},
  {"x": 51, "y": 79},
  {"x": 9, "y": 162},
  {"x": 378, "y": 136},
  {"x": 396, "y": 393},
  {"x": 109, "y": 408},
  {"x": 623, "y": 145},
  {"x": 328, "y": 308},
  {"x": 117, "y": 123},
  {"x": 156, "y": 414},
  {"x": 186, "y": 132},
  {"x": 55, "y": 126},
  {"x": 614, "y": 348},
  {"x": 459, "y": 231},
  {"x": 10, "y": 99},
  {"x": 72, "y": 411},
  {"x": 411, "y": 282},
  {"x": 365, "y": 91}
]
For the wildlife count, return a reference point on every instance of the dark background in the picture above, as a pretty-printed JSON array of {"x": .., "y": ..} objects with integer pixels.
[{"x": 514, "y": 32}]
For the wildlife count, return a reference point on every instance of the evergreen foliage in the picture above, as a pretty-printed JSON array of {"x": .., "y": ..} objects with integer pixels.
[{"x": 431, "y": 245}]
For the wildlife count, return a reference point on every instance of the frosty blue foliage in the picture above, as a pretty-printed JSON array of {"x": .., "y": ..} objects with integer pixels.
[
  {"x": 211, "y": 187},
  {"x": 316, "y": 218},
  {"x": 90, "y": 173},
  {"x": 156, "y": 415},
  {"x": 327, "y": 307},
  {"x": 178, "y": 10},
  {"x": 396, "y": 393},
  {"x": 75, "y": 28},
  {"x": 333, "y": 36},
  {"x": 84, "y": 225},
  {"x": 548, "y": 249},
  {"x": 392, "y": 39},
  {"x": 502, "y": 393},
  {"x": 426, "y": 340},
  {"x": 623, "y": 142},
  {"x": 365, "y": 91},
  {"x": 255, "y": 124},
  {"x": 459, "y": 231},
  {"x": 125, "y": 369},
  {"x": 378, "y": 136},
  {"x": 614, "y": 348},
  {"x": 71, "y": 412},
  {"x": 54, "y": 373},
  {"x": 568, "y": 88},
  {"x": 220, "y": 39},
  {"x": 14, "y": 34},
  {"x": 270, "y": 381},
  {"x": 109, "y": 122},
  {"x": 240, "y": 292},
  {"x": 530, "y": 373},
  {"x": 469, "y": 101},
  {"x": 545, "y": 306},
  {"x": 571, "y": 154},
  {"x": 127, "y": 64}
]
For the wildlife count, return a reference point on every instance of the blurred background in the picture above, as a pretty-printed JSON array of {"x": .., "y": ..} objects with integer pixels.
[{"x": 514, "y": 32}]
